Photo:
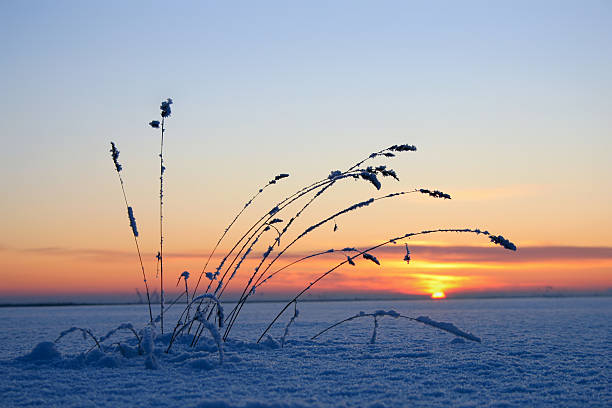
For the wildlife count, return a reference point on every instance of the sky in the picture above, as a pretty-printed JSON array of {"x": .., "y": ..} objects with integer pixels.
[{"x": 509, "y": 104}]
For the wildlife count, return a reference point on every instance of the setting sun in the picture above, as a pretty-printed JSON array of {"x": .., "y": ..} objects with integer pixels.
[{"x": 438, "y": 295}]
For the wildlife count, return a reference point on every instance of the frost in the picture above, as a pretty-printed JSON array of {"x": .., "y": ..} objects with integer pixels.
[
  {"x": 124, "y": 326},
  {"x": 371, "y": 177},
  {"x": 270, "y": 342},
  {"x": 403, "y": 148},
  {"x": 165, "y": 108},
  {"x": 499, "y": 240},
  {"x": 449, "y": 327},
  {"x": 148, "y": 339},
  {"x": 296, "y": 313},
  {"x": 373, "y": 338},
  {"x": 115, "y": 156},
  {"x": 334, "y": 174},
  {"x": 214, "y": 332},
  {"x": 132, "y": 221},
  {"x": 85, "y": 333},
  {"x": 435, "y": 193},
  {"x": 213, "y": 298},
  {"x": 390, "y": 313},
  {"x": 371, "y": 258}
]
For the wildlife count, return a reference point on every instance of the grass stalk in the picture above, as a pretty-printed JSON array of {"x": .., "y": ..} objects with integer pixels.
[
  {"x": 493, "y": 238},
  {"x": 161, "y": 222},
  {"x": 85, "y": 332},
  {"x": 246, "y": 292},
  {"x": 166, "y": 111},
  {"x": 354, "y": 171},
  {"x": 248, "y": 203},
  {"x": 448, "y": 327},
  {"x": 118, "y": 167}
]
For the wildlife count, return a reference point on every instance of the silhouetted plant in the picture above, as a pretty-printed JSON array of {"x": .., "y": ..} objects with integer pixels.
[
  {"x": 448, "y": 327},
  {"x": 115, "y": 156},
  {"x": 278, "y": 221},
  {"x": 166, "y": 111}
]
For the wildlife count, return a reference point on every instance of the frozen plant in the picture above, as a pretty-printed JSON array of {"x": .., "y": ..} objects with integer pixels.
[
  {"x": 181, "y": 326},
  {"x": 448, "y": 327},
  {"x": 185, "y": 276},
  {"x": 124, "y": 326},
  {"x": 148, "y": 336},
  {"x": 296, "y": 313},
  {"x": 508, "y": 245},
  {"x": 84, "y": 332},
  {"x": 214, "y": 332},
  {"x": 165, "y": 113},
  {"x": 269, "y": 233},
  {"x": 115, "y": 156}
]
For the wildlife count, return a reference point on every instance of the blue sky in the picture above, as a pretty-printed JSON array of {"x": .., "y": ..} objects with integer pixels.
[{"x": 508, "y": 102}]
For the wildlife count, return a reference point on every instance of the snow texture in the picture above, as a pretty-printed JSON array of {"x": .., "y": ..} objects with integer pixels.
[{"x": 547, "y": 352}]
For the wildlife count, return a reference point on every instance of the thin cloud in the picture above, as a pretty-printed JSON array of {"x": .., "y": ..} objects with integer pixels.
[
  {"x": 98, "y": 254},
  {"x": 432, "y": 253},
  {"x": 494, "y": 254}
]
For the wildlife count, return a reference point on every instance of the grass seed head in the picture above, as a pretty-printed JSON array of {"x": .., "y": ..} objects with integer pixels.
[{"x": 115, "y": 156}]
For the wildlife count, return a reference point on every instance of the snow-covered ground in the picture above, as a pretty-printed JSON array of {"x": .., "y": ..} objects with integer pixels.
[{"x": 534, "y": 352}]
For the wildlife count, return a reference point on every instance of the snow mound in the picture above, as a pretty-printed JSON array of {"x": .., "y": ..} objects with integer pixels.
[
  {"x": 201, "y": 364},
  {"x": 270, "y": 342},
  {"x": 44, "y": 351}
]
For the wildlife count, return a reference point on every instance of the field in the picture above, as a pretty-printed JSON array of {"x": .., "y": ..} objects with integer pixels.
[{"x": 534, "y": 352}]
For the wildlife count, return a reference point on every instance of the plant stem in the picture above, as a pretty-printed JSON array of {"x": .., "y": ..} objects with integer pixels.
[
  {"x": 161, "y": 223},
  {"x": 144, "y": 276},
  {"x": 225, "y": 233},
  {"x": 236, "y": 310},
  {"x": 392, "y": 240},
  {"x": 246, "y": 292},
  {"x": 374, "y": 315}
]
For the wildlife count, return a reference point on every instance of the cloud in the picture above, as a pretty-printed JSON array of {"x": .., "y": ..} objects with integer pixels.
[
  {"x": 494, "y": 254},
  {"x": 98, "y": 254},
  {"x": 421, "y": 252}
]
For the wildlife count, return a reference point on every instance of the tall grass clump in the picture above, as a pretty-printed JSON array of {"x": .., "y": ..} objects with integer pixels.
[{"x": 270, "y": 237}]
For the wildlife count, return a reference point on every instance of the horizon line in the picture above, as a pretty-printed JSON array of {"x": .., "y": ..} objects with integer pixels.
[{"x": 505, "y": 295}]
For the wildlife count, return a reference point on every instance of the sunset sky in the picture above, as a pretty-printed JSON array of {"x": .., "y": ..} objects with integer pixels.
[{"x": 509, "y": 105}]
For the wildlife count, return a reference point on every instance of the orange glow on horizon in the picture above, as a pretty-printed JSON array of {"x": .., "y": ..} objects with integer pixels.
[
  {"x": 89, "y": 272},
  {"x": 438, "y": 295}
]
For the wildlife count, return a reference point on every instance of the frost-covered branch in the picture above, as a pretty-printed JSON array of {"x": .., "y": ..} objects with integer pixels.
[{"x": 448, "y": 327}]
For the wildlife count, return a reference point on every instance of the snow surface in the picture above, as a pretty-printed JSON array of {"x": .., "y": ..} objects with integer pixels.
[{"x": 534, "y": 352}]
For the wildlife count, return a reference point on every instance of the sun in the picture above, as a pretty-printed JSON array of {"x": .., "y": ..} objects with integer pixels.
[{"x": 438, "y": 295}]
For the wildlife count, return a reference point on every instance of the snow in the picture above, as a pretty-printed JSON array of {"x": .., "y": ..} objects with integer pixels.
[
  {"x": 534, "y": 352},
  {"x": 449, "y": 327}
]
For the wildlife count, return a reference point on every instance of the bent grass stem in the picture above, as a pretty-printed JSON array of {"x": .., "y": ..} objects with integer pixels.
[{"x": 390, "y": 241}]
